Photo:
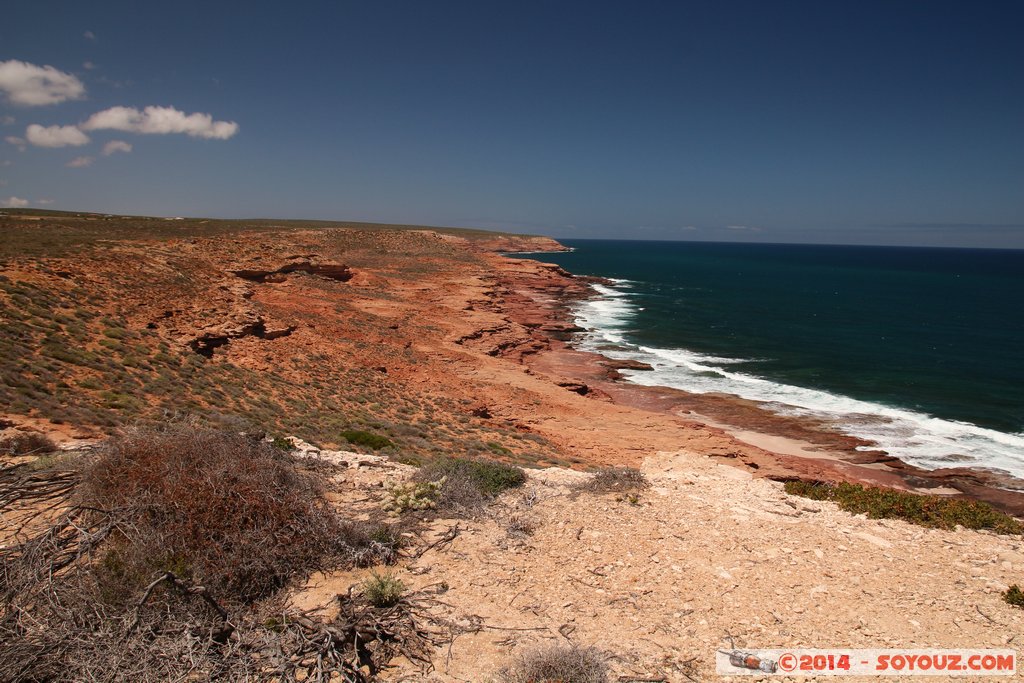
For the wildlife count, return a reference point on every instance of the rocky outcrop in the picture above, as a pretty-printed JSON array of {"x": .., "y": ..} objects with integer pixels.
[
  {"x": 333, "y": 271},
  {"x": 516, "y": 244},
  {"x": 205, "y": 343}
]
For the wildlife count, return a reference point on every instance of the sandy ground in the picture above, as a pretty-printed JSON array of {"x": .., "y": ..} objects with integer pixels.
[{"x": 707, "y": 557}]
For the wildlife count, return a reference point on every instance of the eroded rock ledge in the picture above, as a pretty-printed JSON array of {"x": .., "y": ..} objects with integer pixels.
[
  {"x": 205, "y": 343},
  {"x": 333, "y": 271}
]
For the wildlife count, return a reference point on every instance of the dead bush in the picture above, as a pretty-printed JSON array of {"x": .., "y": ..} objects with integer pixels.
[
  {"x": 215, "y": 507},
  {"x": 616, "y": 480},
  {"x": 557, "y": 664},
  {"x": 26, "y": 443},
  {"x": 164, "y": 562}
]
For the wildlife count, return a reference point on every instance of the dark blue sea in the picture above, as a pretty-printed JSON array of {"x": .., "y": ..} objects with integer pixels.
[{"x": 917, "y": 350}]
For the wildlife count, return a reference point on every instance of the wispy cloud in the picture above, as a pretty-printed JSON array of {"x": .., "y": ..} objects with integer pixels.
[
  {"x": 14, "y": 203},
  {"x": 160, "y": 121},
  {"x": 88, "y": 66},
  {"x": 740, "y": 228},
  {"x": 45, "y": 202},
  {"x": 8, "y": 120},
  {"x": 55, "y": 136},
  {"x": 949, "y": 227},
  {"x": 80, "y": 162},
  {"x": 115, "y": 146},
  {"x": 20, "y": 143},
  {"x": 31, "y": 85},
  {"x": 89, "y": 35}
]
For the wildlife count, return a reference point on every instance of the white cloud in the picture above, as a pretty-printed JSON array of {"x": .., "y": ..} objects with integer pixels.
[
  {"x": 55, "y": 136},
  {"x": 88, "y": 66},
  {"x": 116, "y": 146},
  {"x": 89, "y": 35},
  {"x": 45, "y": 202},
  {"x": 159, "y": 121},
  {"x": 80, "y": 162},
  {"x": 14, "y": 203},
  {"x": 750, "y": 228},
  {"x": 32, "y": 85},
  {"x": 20, "y": 143}
]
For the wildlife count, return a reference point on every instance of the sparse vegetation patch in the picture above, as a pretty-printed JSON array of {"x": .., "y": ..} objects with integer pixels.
[
  {"x": 931, "y": 511},
  {"x": 367, "y": 439}
]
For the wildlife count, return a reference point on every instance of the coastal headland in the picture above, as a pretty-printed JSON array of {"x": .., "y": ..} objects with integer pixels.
[{"x": 435, "y": 342}]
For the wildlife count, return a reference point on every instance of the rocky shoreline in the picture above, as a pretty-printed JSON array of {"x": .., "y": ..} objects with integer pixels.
[{"x": 540, "y": 296}]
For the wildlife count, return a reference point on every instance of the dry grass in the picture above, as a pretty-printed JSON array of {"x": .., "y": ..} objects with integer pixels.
[{"x": 557, "y": 664}]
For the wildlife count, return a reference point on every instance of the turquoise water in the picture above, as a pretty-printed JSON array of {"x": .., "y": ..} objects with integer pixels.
[{"x": 917, "y": 350}]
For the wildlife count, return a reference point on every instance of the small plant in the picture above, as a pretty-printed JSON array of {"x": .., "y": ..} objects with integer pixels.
[
  {"x": 558, "y": 664},
  {"x": 368, "y": 439},
  {"x": 519, "y": 527},
  {"x": 931, "y": 511},
  {"x": 622, "y": 480},
  {"x": 414, "y": 495},
  {"x": 383, "y": 590},
  {"x": 497, "y": 448},
  {"x": 1014, "y": 596},
  {"x": 282, "y": 444}
]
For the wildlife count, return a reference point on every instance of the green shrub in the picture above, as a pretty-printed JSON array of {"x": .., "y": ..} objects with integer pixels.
[
  {"x": 497, "y": 448},
  {"x": 1014, "y": 596},
  {"x": 469, "y": 484},
  {"x": 368, "y": 439},
  {"x": 282, "y": 444},
  {"x": 931, "y": 511},
  {"x": 489, "y": 476},
  {"x": 383, "y": 590}
]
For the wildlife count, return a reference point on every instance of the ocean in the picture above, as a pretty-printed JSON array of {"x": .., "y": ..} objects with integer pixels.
[{"x": 916, "y": 350}]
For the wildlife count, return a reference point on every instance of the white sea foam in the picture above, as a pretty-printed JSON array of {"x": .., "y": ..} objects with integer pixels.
[{"x": 914, "y": 437}]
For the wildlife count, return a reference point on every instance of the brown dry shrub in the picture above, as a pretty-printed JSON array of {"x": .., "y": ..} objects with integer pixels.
[
  {"x": 214, "y": 507},
  {"x": 616, "y": 480},
  {"x": 557, "y": 664},
  {"x": 26, "y": 443}
]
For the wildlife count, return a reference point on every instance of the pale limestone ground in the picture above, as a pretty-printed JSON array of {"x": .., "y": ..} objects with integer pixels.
[{"x": 709, "y": 552}]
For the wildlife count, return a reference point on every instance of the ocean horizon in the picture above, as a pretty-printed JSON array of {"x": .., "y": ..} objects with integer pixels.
[{"x": 913, "y": 349}]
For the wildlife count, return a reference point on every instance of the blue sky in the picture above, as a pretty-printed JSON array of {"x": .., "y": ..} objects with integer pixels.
[{"x": 857, "y": 122}]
